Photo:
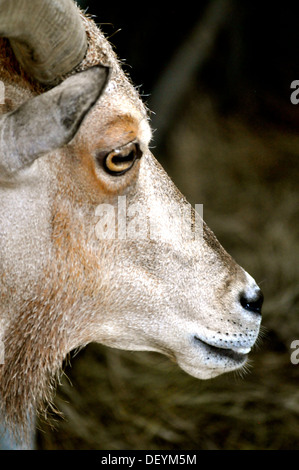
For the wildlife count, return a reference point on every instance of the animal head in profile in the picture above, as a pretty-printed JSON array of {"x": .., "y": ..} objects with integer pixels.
[{"x": 97, "y": 244}]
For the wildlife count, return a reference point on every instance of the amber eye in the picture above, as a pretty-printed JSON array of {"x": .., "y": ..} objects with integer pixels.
[{"x": 121, "y": 160}]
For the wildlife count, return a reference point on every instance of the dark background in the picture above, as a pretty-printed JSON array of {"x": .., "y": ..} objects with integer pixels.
[
  {"x": 254, "y": 56},
  {"x": 217, "y": 76}
]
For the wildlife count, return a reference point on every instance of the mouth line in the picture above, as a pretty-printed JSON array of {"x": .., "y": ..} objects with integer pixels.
[{"x": 237, "y": 355}]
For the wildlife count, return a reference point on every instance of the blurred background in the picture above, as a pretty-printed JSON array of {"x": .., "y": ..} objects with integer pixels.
[{"x": 216, "y": 76}]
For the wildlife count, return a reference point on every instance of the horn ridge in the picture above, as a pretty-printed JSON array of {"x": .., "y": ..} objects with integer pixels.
[{"x": 47, "y": 36}]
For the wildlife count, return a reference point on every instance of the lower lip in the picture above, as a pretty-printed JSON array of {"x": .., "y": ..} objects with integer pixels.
[{"x": 226, "y": 353}]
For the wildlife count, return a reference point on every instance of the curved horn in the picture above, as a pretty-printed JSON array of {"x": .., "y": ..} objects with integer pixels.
[{"x": 47, "y": 36}]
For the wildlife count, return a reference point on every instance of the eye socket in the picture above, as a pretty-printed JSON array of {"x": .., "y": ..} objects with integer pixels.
[{"x": 121, "y": 160}]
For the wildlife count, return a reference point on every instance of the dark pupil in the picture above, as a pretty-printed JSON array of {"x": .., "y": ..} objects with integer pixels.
[{"x": 121, "y": 159}]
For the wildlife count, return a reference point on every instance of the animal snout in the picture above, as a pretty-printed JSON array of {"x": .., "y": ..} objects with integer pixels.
[{"x": 252, "y": 303}]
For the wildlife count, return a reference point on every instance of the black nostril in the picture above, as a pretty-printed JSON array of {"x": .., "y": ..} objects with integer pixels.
[{"x": 254, "y": 304}]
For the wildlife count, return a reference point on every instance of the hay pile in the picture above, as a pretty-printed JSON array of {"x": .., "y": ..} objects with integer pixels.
[{"x": 247, "y": 178}]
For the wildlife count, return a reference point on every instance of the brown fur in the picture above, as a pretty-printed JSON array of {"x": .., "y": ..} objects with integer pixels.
[
  {"x": 63, "y": 308},
  {"x": 12, "y": 72},
  {"x": 38, "y": 341},
  {"x": 42, "y": 333}
]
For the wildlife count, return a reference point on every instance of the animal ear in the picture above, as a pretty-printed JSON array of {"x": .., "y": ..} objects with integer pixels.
[{"x": 50, "y": 120}]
